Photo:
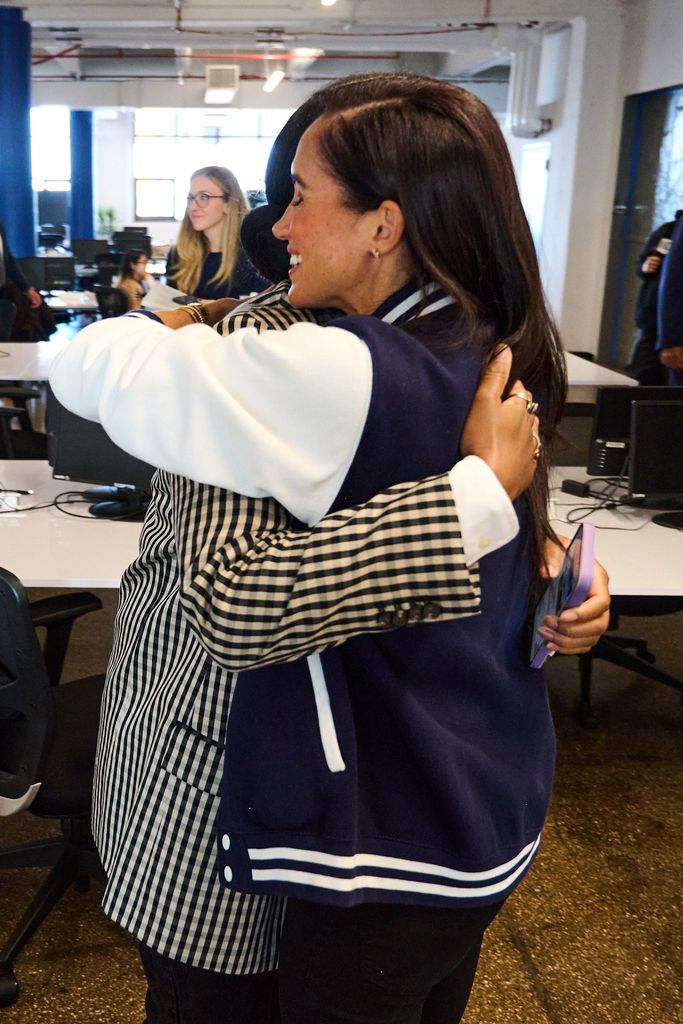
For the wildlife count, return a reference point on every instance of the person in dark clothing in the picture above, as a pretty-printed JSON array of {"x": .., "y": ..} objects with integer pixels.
[
  {"x": 208, "y": 260},
  {"x": 670, "y": 320},
  {"x": 11, "y": 271},
  {"x": 644, "y": 363}
]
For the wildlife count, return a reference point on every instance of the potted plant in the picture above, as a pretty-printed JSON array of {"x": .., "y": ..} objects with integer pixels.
[{"x": 106, "y": 217}]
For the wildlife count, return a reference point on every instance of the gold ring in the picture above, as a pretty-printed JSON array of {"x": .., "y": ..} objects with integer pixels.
[{"x": 531, "y": 406}]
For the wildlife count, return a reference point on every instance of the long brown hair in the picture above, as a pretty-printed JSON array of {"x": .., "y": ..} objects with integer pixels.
[
  {"x": 440, "y": 154},
  {"x": 191, "y": 245}
]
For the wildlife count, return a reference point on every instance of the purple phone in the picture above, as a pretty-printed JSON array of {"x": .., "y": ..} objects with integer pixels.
[{"x": 569, "y": 588}]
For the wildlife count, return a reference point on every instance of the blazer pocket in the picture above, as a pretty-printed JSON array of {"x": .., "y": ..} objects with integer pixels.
[{"x": 194, "y": 758}]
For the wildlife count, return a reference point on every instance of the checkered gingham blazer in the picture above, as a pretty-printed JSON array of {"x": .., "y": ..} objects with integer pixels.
[{"x": 223, "y": 583}]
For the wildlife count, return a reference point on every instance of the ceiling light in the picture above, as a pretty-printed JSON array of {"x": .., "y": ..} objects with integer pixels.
[
  {"x": 274, "y": 79},
  {"x": 328, "y": 3}
]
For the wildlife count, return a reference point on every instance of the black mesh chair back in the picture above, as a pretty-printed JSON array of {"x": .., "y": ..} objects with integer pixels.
[
  {"x": 108, "y": 265},
  {"x": 48, "y": 735},
  {"x": 25, "y": 442},
  {"x": 26, "y": 702},
  {"x": 111, "y": 301}
]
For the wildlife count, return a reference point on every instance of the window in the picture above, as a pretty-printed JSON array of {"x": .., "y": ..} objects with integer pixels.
[
  {"x": 51, "y": 149},
  {"x": 181, "y": 141}
]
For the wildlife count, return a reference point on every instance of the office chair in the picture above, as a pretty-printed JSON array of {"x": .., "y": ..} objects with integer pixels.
[
  {"x": 24, "y": 443},
  {"x": 108, "y": 264},
  {"x": 617, "y": 649},
  {"x": 48, "y": 733},
  {"x": 111, "y": 301},
  {"x": 8, "y": 315}
]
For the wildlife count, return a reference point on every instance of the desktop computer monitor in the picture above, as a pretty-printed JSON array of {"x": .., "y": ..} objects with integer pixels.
[
  {"x": 611, "y": 431},
  {"x": 656, "y": 457},
  {"x": 123, "y": 241},
  {"x": 33, "y": 269},
  {"x": 79, "y": 449},
  {"x": 49, "y": 273},
  {"x": 53, "y": 207},
  {"x": 60, "y": 273},
  {"x": 86, "y": 250}
]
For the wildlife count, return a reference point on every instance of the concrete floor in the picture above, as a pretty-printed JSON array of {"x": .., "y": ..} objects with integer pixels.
[{"x": 592, "y": 936}]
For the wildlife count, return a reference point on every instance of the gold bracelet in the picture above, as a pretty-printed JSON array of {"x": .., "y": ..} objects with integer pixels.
[{"x": 198, "y": 312}]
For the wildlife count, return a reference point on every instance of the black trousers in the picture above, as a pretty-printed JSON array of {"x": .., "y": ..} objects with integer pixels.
[
  {"x": 379, "y": 963},
  {"x": 643, "y": 363},
  {"x": 179, "y": 994}
]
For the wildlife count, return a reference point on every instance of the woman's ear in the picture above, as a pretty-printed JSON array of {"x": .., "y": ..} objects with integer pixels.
[{"x": 390, "y": 226}]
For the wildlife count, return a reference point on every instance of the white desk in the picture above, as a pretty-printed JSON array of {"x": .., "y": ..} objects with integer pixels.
[
  {"x": 47, "y": 548},
  {"x": 647, "y": 562},
  {"x": 28, "y": 360},
  {"x": 581, "y": 372},
  {"x": 72, "y": 302}
]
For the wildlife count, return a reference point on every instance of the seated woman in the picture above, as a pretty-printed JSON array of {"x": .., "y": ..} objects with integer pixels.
[
  {"x": 133, "y": 277},
  {"x": 394, "y": 787},
  {"x": 208, "y": 260}
]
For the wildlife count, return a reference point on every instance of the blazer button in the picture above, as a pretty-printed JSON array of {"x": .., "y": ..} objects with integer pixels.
[
  {"x": 432, "y": 610},
  {"x": 400, "y": 617},
  {"x": 384, "y": 619},
  {"x": 416, "y": 613}
]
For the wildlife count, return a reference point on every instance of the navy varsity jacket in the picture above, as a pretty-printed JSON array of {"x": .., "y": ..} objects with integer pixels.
[{"x": 406, "y": 767}]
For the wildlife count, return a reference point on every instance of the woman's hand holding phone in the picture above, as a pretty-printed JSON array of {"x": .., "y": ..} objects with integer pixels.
[{"x": 576, "y": 630}]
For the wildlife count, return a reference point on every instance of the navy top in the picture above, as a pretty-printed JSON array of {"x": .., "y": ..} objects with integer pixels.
[
  {"x": 412, "y": 766},
  {"x": 245, "y": 278}
]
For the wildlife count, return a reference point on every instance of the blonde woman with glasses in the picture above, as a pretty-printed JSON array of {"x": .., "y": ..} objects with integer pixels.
[{"x": 208, "y": 260}]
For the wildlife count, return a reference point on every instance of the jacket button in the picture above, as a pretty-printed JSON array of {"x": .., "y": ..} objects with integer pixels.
[
  {"x": 432, "y": 610},
  {"x": 227, "y": 873},
  {"x": 384, "y": 619},
  {"x": 416, "y": 613},
  {"x": 225, "y": 841},
  {"x": 400, "y": 617}
]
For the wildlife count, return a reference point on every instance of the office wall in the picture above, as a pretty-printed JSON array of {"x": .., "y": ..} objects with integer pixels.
[
  {"x": 654, "y": 39},
  {"x": 585, "y": 142}
]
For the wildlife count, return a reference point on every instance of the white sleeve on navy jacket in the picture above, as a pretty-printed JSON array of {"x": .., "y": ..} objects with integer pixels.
[{"x": 265, "y": 414}]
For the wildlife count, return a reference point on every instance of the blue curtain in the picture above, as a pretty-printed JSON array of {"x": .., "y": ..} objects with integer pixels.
[
  {"x": 82, "y": 222},
  {"x": 16, "y": 193}
]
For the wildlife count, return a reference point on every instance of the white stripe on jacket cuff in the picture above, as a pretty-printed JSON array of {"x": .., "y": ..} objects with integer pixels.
[{"x": 487, "y": 517}]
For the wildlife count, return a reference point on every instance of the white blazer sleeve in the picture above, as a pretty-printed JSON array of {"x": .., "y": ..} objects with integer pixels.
[{"x": 278, "y": 413}]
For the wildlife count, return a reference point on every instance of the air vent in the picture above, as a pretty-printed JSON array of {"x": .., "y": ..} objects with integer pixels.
[{"x": 222, "y": 83}]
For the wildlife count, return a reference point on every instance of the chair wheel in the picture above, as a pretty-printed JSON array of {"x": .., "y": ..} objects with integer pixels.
[
  {"x": 9, "y": 989},
  {"x": 587, "y": 717}
]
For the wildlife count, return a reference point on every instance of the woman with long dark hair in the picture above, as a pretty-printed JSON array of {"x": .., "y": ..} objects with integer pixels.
[
  {"x": 133, "y": 277},
  {"x": 394, "y": 787}
]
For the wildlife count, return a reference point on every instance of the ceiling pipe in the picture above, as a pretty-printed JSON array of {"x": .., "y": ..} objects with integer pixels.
[{"x": 168, "y": 55}]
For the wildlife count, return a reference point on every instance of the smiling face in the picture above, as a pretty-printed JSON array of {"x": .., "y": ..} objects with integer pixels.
[
  {"x": 211, "y": 215},
  {"x": 330, "y": 245}
]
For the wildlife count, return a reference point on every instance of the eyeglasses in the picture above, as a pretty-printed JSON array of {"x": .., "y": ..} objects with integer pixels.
[{"x": 202, "y": 198}]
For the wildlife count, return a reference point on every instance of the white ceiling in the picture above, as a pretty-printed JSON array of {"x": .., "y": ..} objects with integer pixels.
[{"x": 139, "y": 39}]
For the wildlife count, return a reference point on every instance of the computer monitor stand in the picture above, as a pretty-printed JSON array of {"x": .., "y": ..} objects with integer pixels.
[{"x": 674, "y": 520}]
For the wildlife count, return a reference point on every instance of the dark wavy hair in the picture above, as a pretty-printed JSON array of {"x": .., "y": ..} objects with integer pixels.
[
  {"x": 437, "y": 151},
  {"x": 129, "y": 258}
]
